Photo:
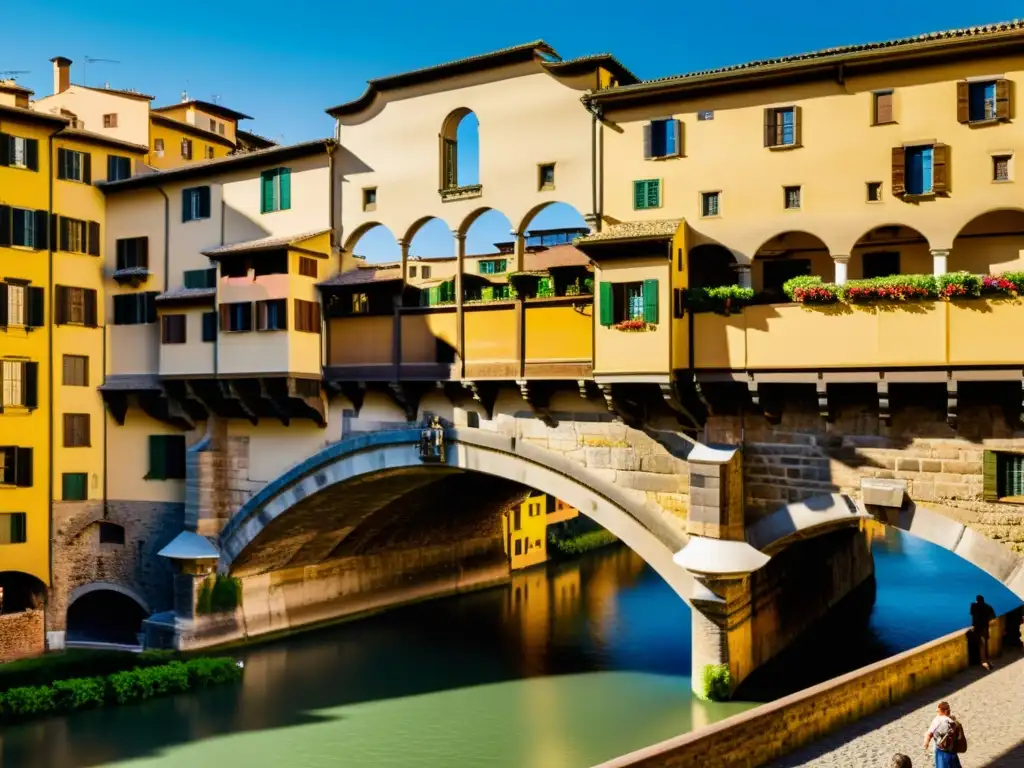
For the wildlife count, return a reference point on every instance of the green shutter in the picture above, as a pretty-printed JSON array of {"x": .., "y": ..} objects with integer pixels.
[
  {"x": 606, "y": 304},
  {"x": 639, "y": 195},
  {"x": 654, "y": 193},
  {"x": 267, "y": 202},
  {"x": 990, "y": 477},
  {"x": 285, "y": 183},
  {"x": 651, "y": 301},
  {"x": 74, "y": 486},
  {"x": 157, "y": 458}
]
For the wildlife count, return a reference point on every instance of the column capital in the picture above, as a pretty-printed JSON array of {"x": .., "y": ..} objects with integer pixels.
[
  {"x": 458, "y": 235},
  {"x": 516, "y": 233},
  {"x": 740, "y": 268},
  {"x": 402, "y": 243},
  {"x": 841, "y": 259},
  {"x": 940, "y": 251}
]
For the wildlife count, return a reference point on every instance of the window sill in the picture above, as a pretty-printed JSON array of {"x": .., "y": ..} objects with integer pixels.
[
  {"x": 920, "y": 197},
  {"x": 275, "y": 210},
  {"x": 711, "y": 216},
  {"x": 16, "y": 410},
  {"x": 784, "y": 147},
  {"x": 20, "y": 168},
  {"x": 1011, "y": 500},
  {"x": 986, "y": 122},
  {"x": 461, "y": 193},
  {"x": 885, "y": 122},
  {"x": 27, "y": 248},
  {"x": 1002, "y": 181},
  {"x": 547, "y": 188},
  {"x": 201, "y": 218},
  {"x": 270, "y": 330},
  {"x": 676, "y": 156},
  {"x": 369, "y": 208}
]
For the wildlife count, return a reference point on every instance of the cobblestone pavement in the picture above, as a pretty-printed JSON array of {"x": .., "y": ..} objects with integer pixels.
[{"x": 990, "y": 706}]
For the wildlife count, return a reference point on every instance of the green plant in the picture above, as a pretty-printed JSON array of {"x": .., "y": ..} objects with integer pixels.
[
  {"x": 204, "y": 600},
  {"x": 716, "y": 682},
  {"x": 811, "y": 289},
  {"x": 1008, "y": 283},
  {"x": 891, "y": 288},
  {"x": 959, "y": 285},
  {"x": 219, "y": 594},
  {"x": 75, "y": 663},
  {"x": 79, "y": 693},
  {"x": 17, "y": 703},
  {"x": 215, "y": 671},
  {"x": 722, "y": 298},
  {"x": 584, "y": 542}
]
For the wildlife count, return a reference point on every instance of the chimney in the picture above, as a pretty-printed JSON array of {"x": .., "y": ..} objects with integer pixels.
[{"x": 61, "y": 74}]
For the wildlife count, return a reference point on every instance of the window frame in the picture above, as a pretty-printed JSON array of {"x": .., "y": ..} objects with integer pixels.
[
  {"x": 117, "y": 163},
  {"x": 998, "y": 157},
  {"x": 72, "y": 165},
  {"x": 922, "y": 151},
  {"x": 175, "y": 466},
  {"x": 174, "y": 328},
  {"x": 77, "y": 430},
  {"x": 13, "y": 290},
  {"x": 272, "y": 309},
  {"x": 368, "y": 204},
  {"x": 799, "y": 195},
  {"x": 195, "y": 203},
  {"x": 875, "y": 97},
  {"x": 663, "y": 138},
  {"x": 19, "y": 383},
  {"x": 68, "y": 477},
  {"x": 79, "y": 364},
  {"x": 307, "y": 316},
  {"x": 236, "y": 313},
  {"x": 110, "y": 120},
  {"x": 775, "y": 127},
  {"x": 280, "y": 197},
  {"x": 646, "y": 185},
  {"x": 16, "y": 528},
  {"x": 705, "y": 198},
  {"x": 988, "y": 103},
  {"x": 542, "y": 169},
  {"x": 868, "y": 185}
]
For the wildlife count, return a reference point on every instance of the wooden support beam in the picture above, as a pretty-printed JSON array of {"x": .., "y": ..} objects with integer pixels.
[
  {"x": 277, "y": 402},
  {"x": 230, "y": 393}
]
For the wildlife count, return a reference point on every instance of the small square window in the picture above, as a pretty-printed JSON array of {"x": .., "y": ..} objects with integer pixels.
[
  {"x": 110, "y": 121},
  {"x": 883, "y": 107},
  {"x": 360, "y": 303},
  {"x": 425, "y": 273},
  {"x": 412, "y": 271},
  {"x": 158, "y": 145},
  {"x": 209, "y": 153},
  {"x": 710, "y": 204},
  {"x": 791, "y": 198},
  {"x": 874, "y": 191},
  {"x": 1001, "y": 167},
  {"x": 369, "y": 198},
  {"x": 547, "y": 176},
  {"x": 647, "y": 194}
]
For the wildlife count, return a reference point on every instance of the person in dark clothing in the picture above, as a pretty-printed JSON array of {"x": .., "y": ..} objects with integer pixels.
[{"x": 981, "y": 615}]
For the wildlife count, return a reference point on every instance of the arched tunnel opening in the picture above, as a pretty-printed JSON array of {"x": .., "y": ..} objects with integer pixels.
[
  {"x": 20, "y": 592},
  {"x": 105, "y": 616}
]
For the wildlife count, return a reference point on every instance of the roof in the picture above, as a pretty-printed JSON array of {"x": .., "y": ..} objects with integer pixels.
[
  {"x": 198, "y": 169},
  {"x": 583, "y": 64},
  {"x": 254, "y": 139},
  {"x": 653, "y": 229},
  {"x": 186, "y": 294},
  {"x": 99, "y": 138},
  {"x": 195, "y": 130},
  {"x": 363, "y": 276},
  {"x": 206, "y": 106},
  {"x": 552, "y": 258},
  {"x": 190, "y": 546},
  {"x": 885, "y": 52},
  {"x": 131, "y": 382},
  {"x": 12, "y": 87},
  {"x": 117, "y": 92},
  {"x": 514, "y": 55},
  {"x": 263, "y": 244},
  {"x": 32, "y": 115}
]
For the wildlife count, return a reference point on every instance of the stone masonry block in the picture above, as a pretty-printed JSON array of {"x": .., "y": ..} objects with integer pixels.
[
  {"x": 648, "y": 482},
  {"x": 598, "y": 458}
]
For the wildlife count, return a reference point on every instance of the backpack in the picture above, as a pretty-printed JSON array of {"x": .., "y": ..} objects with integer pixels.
[{"x": 954, "y": 739}]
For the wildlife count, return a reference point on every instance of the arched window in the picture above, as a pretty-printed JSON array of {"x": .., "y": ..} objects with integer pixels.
[
  {"x": 460, "y": 150},
  {"x": 111, "y": 533}
]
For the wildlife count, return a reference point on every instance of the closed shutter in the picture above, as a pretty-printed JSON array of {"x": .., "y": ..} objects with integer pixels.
[
  {"x": 883, "y": 108},
  {"x": 87, "y": 168},
  {"x": 31, "y": 385},
  {"x": 75, "y": 486},
  {"x": 209, "y": 326},
  {"x": 36, "y": 306},
  {"x": 899, "y": 171},
  {"x": 797, "y": 126},
  {"x": 6, "y": 150},
  {"x": 31, "y": 154},
  {"x": 150, "y": 304},
  {"x": 267, "y": 197},
  {"x": 90, "y": 308},
  {"x": 204, "y": 202},
  {"x": 65, "y": 234},
  {"x": 940, "y": 169},
  {"x": 653, "y": 194},
  {"x": 3, "y": 305},
  {"x": 225, "y": 317},
  {"x": 5, "y": 225},
  {"x": 93, "y": 246},
  {"x": 157, "y": 458},
  {"x": 23, "y": 467},
  {"x": 121, "y": 260},
  {"x": 639, "y": 194},
  {"x": 989, "y": 475},
  {"x": 1002, "y": 99},
  {"x": 174, "y": 456},
  {"x": 42, "y": 231},
  {"x": 62, "y": 163},
  {"x": 142, "y": 252},
  {"x": 607, "y": 306},
  {"x": 61, "y": 306},
  {"x": 963, "y": 102},
  {"x": 769, "y": 127},
  {"x": 648, "y": 151},
  {"x": 651, "y": 301},
  {"x": 186, "y": 204},
  {"x": 285, "y": 183}
]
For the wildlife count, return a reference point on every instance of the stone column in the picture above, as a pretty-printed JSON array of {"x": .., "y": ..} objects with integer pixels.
[
  {"x": 519, "y": 251},
  {"x": 744, "y": 277},
  {"x": 207, "y": 506},
  {"x": 842, "y": 264},
  {"x": 460, "y": 326},
  {"x": 940, "y": 261},
  {"x": 396, "y": 334}
]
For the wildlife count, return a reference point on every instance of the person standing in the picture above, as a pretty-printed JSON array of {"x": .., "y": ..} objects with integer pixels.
[
  {"x": 948, "y": 735},
  {"x": 982, "y": 615}
]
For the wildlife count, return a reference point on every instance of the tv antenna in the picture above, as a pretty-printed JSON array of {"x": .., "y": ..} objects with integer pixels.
[
  {"x": 13, "y": 73},
  {"x": 91, "y": 60}
]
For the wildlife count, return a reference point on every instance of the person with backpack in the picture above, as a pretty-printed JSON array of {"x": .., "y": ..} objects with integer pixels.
[{"x": 950, "y": 741}]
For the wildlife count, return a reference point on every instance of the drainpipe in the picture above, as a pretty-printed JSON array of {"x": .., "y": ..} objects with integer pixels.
[
  {"x": 596, "y": 153},
  {"x": 49, "y": 347},
  {"x": 167, "y": 236}
]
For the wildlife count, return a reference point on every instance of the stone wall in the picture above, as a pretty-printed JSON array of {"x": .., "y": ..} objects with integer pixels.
[{"x": 21, "y": 634}]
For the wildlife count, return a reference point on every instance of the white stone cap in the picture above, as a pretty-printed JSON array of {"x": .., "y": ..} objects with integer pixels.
[
  {"x": 803, "y": 519},
  {"x": 712, "y": 454},
  {"x": 190, "y": 546},
  {"x": 881, "y": 492},
  {"x": 717, "y": 557}
]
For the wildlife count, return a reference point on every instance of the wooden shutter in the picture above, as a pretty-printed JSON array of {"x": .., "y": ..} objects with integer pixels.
[
  {"x": 899, "y": 171},
  {"x": 639, "y": 195},
  {"x": 62, "y": 163},
  {"x": 990, "y": 479},
  {"x": 36, "y": 306},
  {"x": 883, "y": 108},
  {"x": 204, "y": 202},
  {"x": 23, "y": 467},
  {"x": 450, "y": 153},
  {"x": 963, "y": 102},
  {"x": 186, "y": 204},
  {"x": 174, "y": 451},
  {"x": 648, "y": 147},
  {"x": 3, "y": 305},
  {"x": 209, "y": 326},
  {"x": 5, "y": 225},
  {"x": 940, "y": 169},
  {"x": 797, "y": 126},
  {"x": 142, "y": 252},
  {"x": 6, "y": 149},
  {"x": 157, "y": 458},
  {"x": 769, "y": 127},
  {"x": 121, "y": 261},
  {"x": 607, "y": 305},
  {"x": 1003, "y": 100},
  {"x": 90, "y": 307},
  {"x": 31, "y": 384},
  {"x": 285, "y": 184},
  {"x": 675, "y": 134},
  {"x": 42, "y": 230},
  {"x": 87, "y": 167},
  {"x": 267, "y": 193},
  {"x": 225, "y": 317},
  {"x": 64, "y": 228},
  {"x": 61, "y": 306},
  {"x": 651, "y": 301},
  {"x": 149, "y": 303},
  {"x": 653, "y": 193},
  {"x": 31, "y": 154},
  {"x": 93, "y": 245}
]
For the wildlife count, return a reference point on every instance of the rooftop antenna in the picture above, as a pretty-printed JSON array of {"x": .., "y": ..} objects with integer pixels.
[
  {"x": 90, "y": 60},
  {"x": 13, "y": 73},
  {"x": 215, "y": 98}
]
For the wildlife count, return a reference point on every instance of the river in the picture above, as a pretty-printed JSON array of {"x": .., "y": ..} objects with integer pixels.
[{"x": 569, "y": 665}]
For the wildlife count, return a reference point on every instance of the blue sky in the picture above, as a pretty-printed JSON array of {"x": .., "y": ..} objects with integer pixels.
[{"x": 284, "y": 63}]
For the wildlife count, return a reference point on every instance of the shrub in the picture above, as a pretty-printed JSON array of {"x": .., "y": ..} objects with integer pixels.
[
  {"x": 204, "y": 600},
  {"x": 716, "y": 682},
  {"x": 75, "y": 663},
  {"x": 892, "y": 288},
  {"x": 219, "y": 594},
  {"x": 22, "y": 702},
  {"x": 584, "y": 542},
  {"x": 79, "y": 693},
  {"x": 811, "y": 289},
  {"x": 1014, "y": 282},
  {"x": 722, "y": 298},
  {"x": 216, "y": 671},
  {"x": 959, "y": 285}
]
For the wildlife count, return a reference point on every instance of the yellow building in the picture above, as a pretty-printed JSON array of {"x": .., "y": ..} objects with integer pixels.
[
  {"x": 192, "y": 130},
  {"x": 525, "y": 528}
]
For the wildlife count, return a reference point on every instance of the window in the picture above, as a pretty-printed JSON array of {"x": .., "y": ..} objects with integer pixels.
[
  {"x": 74, "y": 486},
  {"x": 424, "y": 273},
  {"x": 110, "y": 121},
  {"x": 1001, "y": 167},
  {"x": 307, "y": 316},
  {"x": 628, "y": 301},
  {"x": 492, "y": 266},
  {"x": 782, "y": 127},
  {"x": 369, "y": 198},
  {"x": 133, "y": 253},
  {"x": 277, "y": 190},
  {"x": 272, "y": 315},
  {"x": 982, "y": 100},
  {"x": 883, "y": 107},
  {"x": 76, "y": 430},
  {"x": 710, "y": 204},
  {"x": 16, "y": 152},
  {"x": 135, "y": 308},
  {"x": 172, "y": 329},
  {"x": 546, "y": 173},
  {"x": 1003, "y": 476},
  {"x": 23, "y": 227},
  {"x": 360, "y": 303},
  {"x": 166, "y": 457},
  {"x": 111, "y": 533},
  {"x": 791, "y": 198},
  {"x": 209, "y": 153},
  {"x": 76, "y": 236},
  {"x": 705, "y": 114},
  {"x": 186, "y": 149},
  {"x": 519, "y": 545},
  {"x": 412, "y": 270},
  {"x": 20, "y": 382},
  {"x": 16, "y": 466},
  {"x": 881, "y": 264},
  {"x": 195, "y": 203},
  {"x": 236, "y": 317},
  {"x": 158, "y": 147},
  {"x": 307, "y": 266},
  {"x": 220, "y": 128},
  {"x": 200, "y": 278},
  {"x": 213, "y": 125},
  {"x": 74, "y": 166},
  {"x": 209, "y": 326},
  {"x": 118, "y": 168},
  {"x": 16, "y": 314},
  {"x": 778, "y": 271},
  {"x": 874, "y": 189},
  {"x": 920, "y": 169},
  {"x": 76, "y": 371},
  {"x": 646, "y": 194},
  {"x": 662, "y": 139},
  {"x": 12, "y": 528},
  {"x": 76, "y": 306}
]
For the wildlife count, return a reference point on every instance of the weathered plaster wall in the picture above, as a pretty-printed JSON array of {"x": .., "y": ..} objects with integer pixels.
[{"x": 21, "y": 634}]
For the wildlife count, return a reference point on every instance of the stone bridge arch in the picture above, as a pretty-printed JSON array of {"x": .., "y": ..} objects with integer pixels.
[{"x": 641, "y": 525}]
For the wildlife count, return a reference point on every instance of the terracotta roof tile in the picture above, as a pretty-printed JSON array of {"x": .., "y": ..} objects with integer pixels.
[
  {"x": 630, "y": 230},
  {"x": 263, "y": 244},
  {"x": 363, "y": 276},
  {"x": 551, "y": 258},
  {"x": 181, "y": 294}
]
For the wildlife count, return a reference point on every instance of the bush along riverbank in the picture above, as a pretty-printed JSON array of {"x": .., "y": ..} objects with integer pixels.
[
  {"x": 125, "y": 687},
  {"x": 576, "y": 536}
]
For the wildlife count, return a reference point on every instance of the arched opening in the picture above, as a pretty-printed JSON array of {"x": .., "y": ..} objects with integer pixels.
[
  {"x": 111, "y": 533},
  {"x": 788, "y": 255},
  {"x": 551, "y": 264},
  {"x": 545, "y": 222},
  {"x": 712, "y": 265},
  {"x": 460, "y": 150},
  {"x": 374, "y": 244},
  {"x": 105, "y": 615},
  {"x": 890, "y": 250},
  {"x": 430, "y": 270},
  {"x": 369, "y": 281},
  {"x": 990, "y": 244},
  {"x": 490, "y": 257},
  {"x": 20, "y": 592}
]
